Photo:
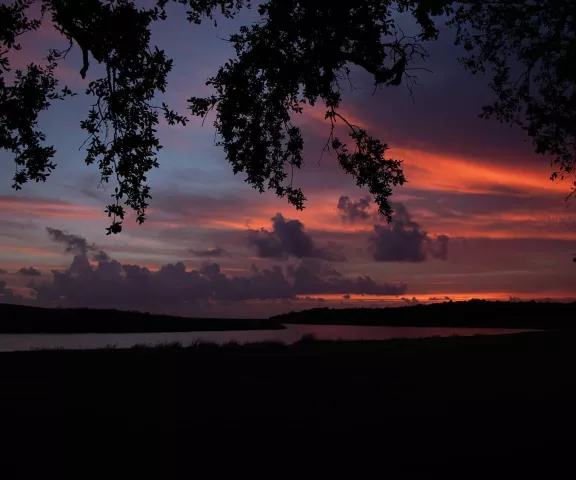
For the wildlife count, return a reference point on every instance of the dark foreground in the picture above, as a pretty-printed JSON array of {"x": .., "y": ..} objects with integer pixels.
[{"x": 479, "y": 407}]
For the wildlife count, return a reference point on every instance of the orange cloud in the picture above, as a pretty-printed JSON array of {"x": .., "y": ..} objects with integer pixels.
[
  {"x": 434, "y": 171},
  {"x": 429, "y": 171},
  {"x": 538, "y": 224},
  {"x": 322, "y": 215}
]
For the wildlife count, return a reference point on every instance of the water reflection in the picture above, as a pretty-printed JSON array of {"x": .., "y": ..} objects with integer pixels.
[{"x": 293, "y": 333}]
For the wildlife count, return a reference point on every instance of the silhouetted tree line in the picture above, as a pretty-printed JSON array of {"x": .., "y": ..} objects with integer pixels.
[{"x": 473, "y": 313}]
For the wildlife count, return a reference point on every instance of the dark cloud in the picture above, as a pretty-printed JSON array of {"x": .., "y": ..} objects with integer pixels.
[
  {"x": 101, "y": 256},
  {"x": 403, "y": 241},
  {"x": 73, "y": 243},
  {"x": 7, "y": 295},
  {"x": 209, "y": 252},
  {"x": 312, "y": 276},
  {"x": 352, "y": 211},
  {"x": 78, "y": 245},
  {"x": 29, "y": 272},
  {"x": 288, "y": 239},
  {"x": 439, "y": 247}
]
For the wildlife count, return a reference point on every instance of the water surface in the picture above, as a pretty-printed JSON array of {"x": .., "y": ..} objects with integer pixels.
[{"x": 293, "y": 333}]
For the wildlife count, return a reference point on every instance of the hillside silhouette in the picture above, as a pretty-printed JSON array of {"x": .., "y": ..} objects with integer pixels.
[
  {"x": 25, "y": 319},
  {"x": 469, "y": 314}
]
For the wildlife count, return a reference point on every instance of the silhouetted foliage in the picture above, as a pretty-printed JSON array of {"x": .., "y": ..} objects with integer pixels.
[
  {"x": 296, "y": 56},
  {"x": 529, "y": 47},
  {"x": 121, "y": 121}
]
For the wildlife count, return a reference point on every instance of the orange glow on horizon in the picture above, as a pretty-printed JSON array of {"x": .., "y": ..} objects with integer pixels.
[{"x": 459, "y": 296}]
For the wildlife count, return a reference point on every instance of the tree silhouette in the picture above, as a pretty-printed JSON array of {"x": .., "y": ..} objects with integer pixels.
[
  {"x": 296, "y": 56},
  {"x": 530, "y": 49}
]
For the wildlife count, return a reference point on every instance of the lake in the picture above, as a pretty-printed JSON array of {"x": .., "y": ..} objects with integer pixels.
[{"x": 293, "y": 333}]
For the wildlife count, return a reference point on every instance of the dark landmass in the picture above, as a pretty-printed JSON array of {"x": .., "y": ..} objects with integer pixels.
[
  {"x": 481, "y": 407},
  {"x": 469, "y": 314},
  {"x": 24, "y": 319}
]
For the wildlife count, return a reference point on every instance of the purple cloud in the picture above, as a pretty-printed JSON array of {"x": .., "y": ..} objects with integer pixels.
[
  {"x": 101, "y": 256},
  {"x": 352, "y": 211},
  {"x": 288, "y": 239},
  {"x": 403, "y": 241},
  {"x": 7, "y": 295}
]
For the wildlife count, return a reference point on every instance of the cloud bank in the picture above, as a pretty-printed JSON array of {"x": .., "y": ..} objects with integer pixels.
[{"x": 176, "y": 290}]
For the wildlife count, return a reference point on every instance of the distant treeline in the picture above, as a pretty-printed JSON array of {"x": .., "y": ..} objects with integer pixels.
[
  {"x": 24, "y": 319},
  {"x": 472, "y": 314}
]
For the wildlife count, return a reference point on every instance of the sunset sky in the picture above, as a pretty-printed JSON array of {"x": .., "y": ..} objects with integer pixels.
[{"x": 478, "y": 217}]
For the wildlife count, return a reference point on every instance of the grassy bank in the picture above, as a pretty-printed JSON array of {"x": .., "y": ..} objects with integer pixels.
[{"x": 462, "y": 401}]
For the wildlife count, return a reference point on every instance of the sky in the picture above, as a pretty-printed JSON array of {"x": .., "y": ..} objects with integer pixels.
[{"x": 478, "y": 217}]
